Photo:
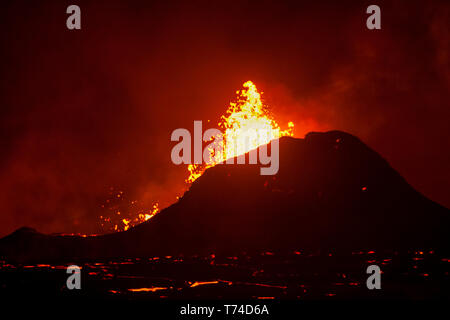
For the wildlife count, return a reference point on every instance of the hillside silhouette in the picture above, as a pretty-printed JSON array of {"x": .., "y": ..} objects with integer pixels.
[{"x": 331, "y": 192}]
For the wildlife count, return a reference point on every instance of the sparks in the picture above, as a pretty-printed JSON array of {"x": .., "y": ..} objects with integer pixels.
[{"x": 114, "y": 224}]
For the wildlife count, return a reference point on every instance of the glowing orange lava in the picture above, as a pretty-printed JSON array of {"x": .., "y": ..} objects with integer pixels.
[
  {"x": 116, "y": 222},
  {"x": 241, "y": 120},
  {"x": 243, "y": 117}
]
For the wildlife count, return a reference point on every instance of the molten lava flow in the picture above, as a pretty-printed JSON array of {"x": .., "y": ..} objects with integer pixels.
[{"x": 243, "y": 117}]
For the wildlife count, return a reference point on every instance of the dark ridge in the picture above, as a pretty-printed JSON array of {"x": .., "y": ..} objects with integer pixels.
[{"x": 331, "y": 191}]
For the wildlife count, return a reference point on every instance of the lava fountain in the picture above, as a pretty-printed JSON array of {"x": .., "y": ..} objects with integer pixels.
[
  {"x": 247, "y": 114},
  {"x": 243, "y": 117}
]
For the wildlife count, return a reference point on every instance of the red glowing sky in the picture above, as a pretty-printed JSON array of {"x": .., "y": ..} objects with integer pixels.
[{"x": 86, "y": 110}]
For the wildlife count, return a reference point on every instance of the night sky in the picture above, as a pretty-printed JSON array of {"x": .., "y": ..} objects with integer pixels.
[{"x": 84, "y": 111}]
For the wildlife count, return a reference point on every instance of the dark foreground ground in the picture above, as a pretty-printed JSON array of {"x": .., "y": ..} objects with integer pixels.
[{"x": 296, "y": 275}]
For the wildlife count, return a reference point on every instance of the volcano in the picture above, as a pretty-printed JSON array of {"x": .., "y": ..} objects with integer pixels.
[{"x": 331, "y": 192}]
